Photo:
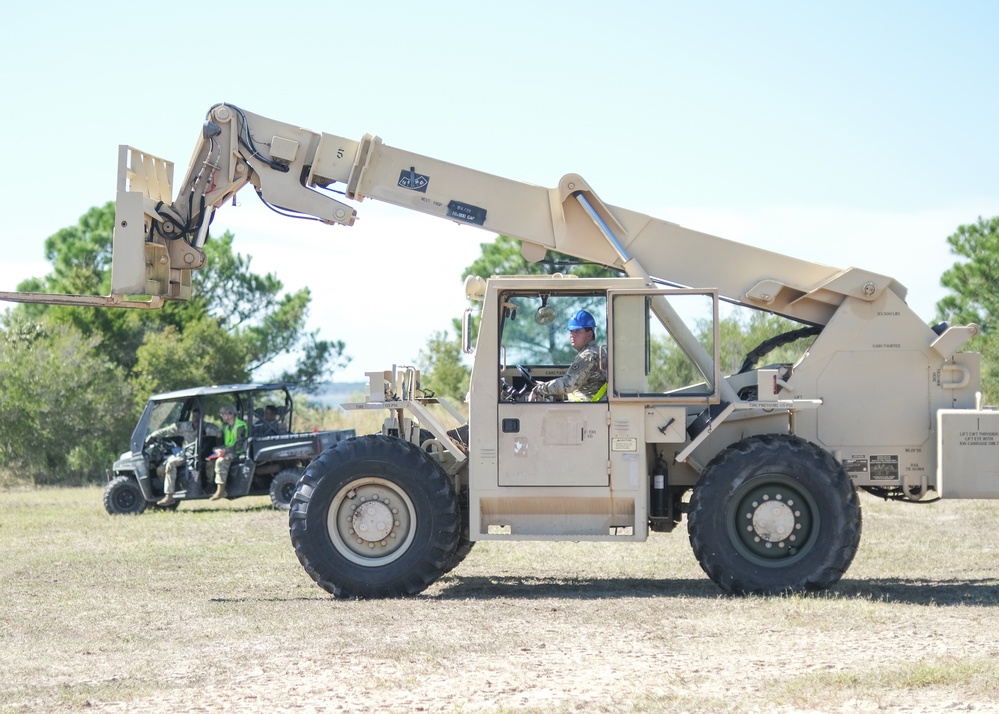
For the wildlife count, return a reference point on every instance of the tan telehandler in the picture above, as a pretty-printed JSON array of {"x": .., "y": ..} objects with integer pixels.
[{"x": 764, "y": 461}]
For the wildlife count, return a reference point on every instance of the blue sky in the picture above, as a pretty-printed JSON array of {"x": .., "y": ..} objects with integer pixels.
[{"x": 849, "y": 133}]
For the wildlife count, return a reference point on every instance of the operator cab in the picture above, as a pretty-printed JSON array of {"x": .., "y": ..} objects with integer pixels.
[
  {"x": 535, "y": 343},
  {"x": 642, "y": 355}
]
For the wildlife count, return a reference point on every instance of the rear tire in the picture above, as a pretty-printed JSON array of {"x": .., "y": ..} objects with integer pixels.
[
  {"x": 374, "y": 517},
  {"x": 283, "y": 488},
  {"x": 123, "y": 497},
  {"x": 774, "y": 514}
]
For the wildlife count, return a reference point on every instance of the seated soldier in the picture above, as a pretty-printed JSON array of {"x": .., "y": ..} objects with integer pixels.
[
  {"x": 189, "y": 431},
  {"x": 234, "y": 435},
  {"x": 271, "y": 424},
  {"x": 586, "y": 379}
]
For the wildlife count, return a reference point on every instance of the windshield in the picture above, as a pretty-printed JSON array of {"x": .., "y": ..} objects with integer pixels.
[
  {"x": 525, "y": 341},
  {"x": 164, "y": 414}
]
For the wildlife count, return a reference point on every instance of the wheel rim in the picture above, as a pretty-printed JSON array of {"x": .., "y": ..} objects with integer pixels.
[
  {"x": 773, "y": 521},
  {"x": 126, "y": 499},
  {"x": 371, "y": 522}
]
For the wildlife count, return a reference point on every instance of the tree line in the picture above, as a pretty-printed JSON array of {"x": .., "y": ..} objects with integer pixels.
[{"x": 73, "y": 380}]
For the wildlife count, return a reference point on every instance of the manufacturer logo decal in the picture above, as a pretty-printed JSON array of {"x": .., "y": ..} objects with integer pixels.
[{"x": 413, "y": 181}]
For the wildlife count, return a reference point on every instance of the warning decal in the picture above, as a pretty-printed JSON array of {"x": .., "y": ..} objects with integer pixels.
[{"x": 884, "y": 468}]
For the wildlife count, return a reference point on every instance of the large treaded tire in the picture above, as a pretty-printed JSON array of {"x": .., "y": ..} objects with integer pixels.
[
  {"x": 774, "y": 514},
  {"x": 374, "y": 517},
  {"x": 123, "y": 497},
  {"x": 465, "y": 542}
]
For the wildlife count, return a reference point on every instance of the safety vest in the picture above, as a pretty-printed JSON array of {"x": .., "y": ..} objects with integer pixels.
[
  {"x": 231, "y": 434},
  {"x": 580, "y": 397}
]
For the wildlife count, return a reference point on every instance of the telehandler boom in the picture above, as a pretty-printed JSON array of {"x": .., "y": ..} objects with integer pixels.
[{"x": 764, "y": 460}]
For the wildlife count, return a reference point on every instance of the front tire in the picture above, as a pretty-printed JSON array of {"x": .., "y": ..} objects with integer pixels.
[
  {"x": 122, "y": 497},
  {"x": 374, "y": 517},
  {"x": 774, "y": 514},
  {"x": 465, "y": 542}
]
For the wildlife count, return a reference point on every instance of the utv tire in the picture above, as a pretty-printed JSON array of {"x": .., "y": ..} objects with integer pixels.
[
  {"x": 122, "y": 496},
  {"x": 283, "y": 488},
  {"x": 774, "y": 514},
  {"x": 374, "y": 517}
]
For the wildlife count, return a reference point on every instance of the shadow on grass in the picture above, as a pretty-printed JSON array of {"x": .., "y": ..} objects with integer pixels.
[
  {"x": 513, "y": 588},
  {"x": 456, "y": 587},
  {"x": 912, "y": 591},
  {"x": 982, "y": 592},
  {"x": 208, "y": 508},
  {"x": 943, "y": 593}
]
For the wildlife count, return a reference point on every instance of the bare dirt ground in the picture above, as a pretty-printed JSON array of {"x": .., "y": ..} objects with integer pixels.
[
  {"x": 208, "y": 610},
  {"x": 602, "y": 668}
]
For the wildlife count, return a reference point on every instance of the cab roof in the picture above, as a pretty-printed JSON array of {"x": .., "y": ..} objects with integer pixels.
[{"x": 219, "y": 389}]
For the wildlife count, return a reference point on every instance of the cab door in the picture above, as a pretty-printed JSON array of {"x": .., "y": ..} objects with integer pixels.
[
  {"x": 553, "y": 444},
  {"x": 549, "y": 443}
]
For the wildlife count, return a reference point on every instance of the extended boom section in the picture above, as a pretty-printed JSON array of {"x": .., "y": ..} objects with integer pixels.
[
  {"x": 296, "y": 170},
  {"x": 159, "y": 234}
]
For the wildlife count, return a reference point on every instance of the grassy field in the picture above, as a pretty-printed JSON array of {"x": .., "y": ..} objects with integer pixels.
[{"x": 207, "y": 609}]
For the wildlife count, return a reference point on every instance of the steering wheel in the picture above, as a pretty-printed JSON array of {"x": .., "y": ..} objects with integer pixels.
[
  {"x": 158, "y": 450},
  {"x": 509, "y": 393},
  {"x": 531, "y": 381}
]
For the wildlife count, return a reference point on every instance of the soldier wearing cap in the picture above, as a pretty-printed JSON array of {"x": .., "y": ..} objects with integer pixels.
[
  {"x": 234, "y": 434},
  {"x": 586, "y": 379}
]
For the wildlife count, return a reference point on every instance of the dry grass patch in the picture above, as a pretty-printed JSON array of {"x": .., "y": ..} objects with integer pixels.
[{"x": 207, "y": 608}]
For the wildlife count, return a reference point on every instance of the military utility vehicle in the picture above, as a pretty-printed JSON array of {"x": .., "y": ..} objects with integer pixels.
[{"x": 274, "y": 460}]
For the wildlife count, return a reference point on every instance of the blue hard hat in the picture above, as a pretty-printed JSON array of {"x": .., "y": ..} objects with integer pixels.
[{"x": 580, "y": 320}]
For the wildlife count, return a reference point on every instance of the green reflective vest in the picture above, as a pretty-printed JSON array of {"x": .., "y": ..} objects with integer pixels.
[
  {"x": 230, "y": 434},
  {"x": 580, "y": 397}
]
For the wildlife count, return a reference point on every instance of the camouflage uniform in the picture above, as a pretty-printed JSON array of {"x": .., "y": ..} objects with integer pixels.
[
  {"x": 584, "y": 380},
  {"x": 185, "y": 430}
]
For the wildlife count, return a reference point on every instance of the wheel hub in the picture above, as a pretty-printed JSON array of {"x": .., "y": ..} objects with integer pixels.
[
  {"x": 773, "y": 521},
  {"x": 373, "y": 521}
]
